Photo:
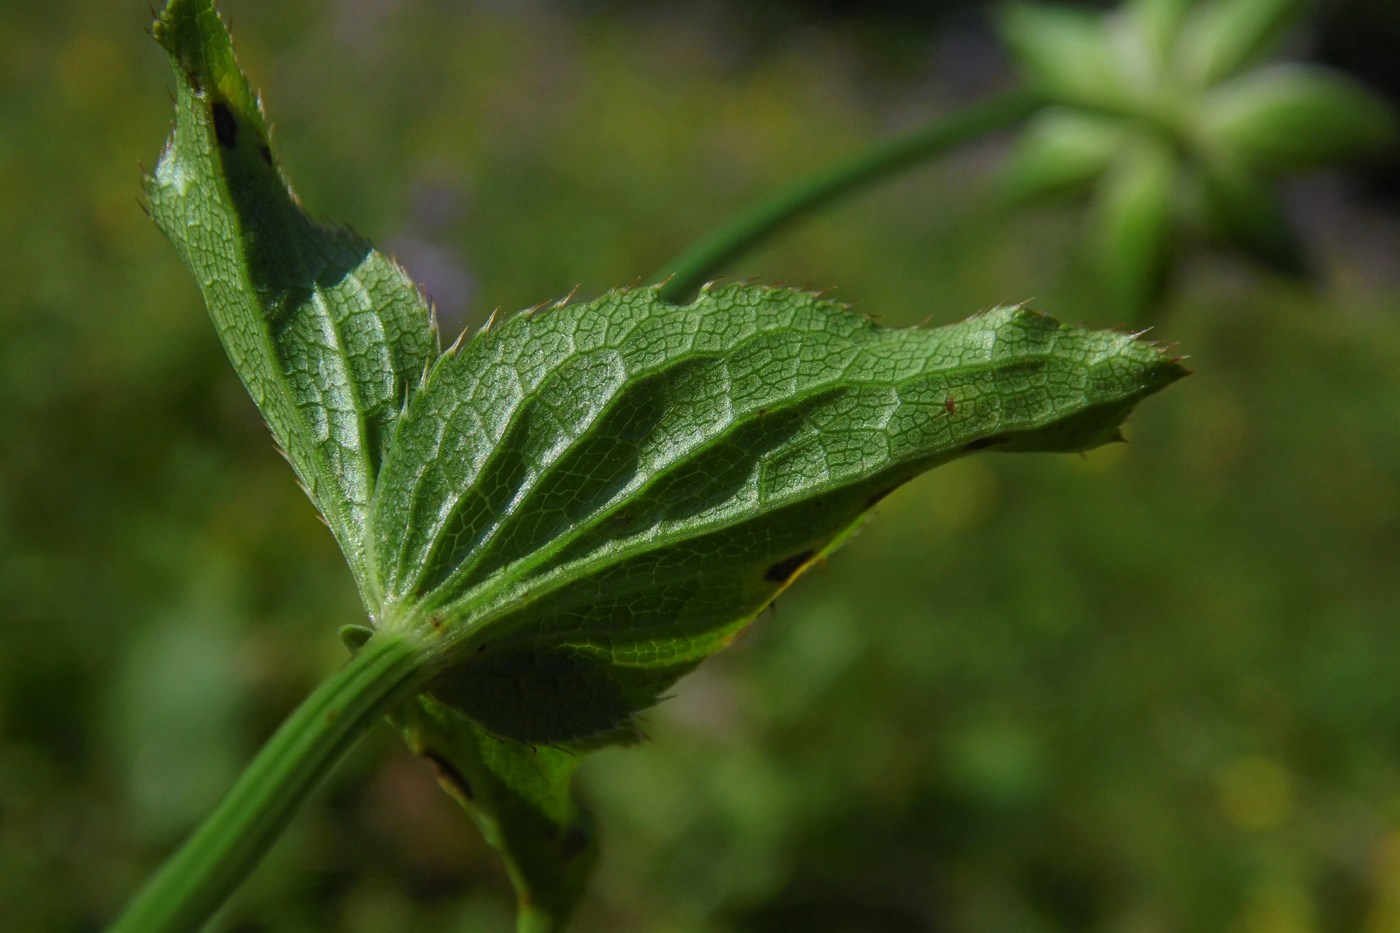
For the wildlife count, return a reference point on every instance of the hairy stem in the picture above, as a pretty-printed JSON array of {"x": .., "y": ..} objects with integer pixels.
[
  {"x": 686, "y": 272},
  {"x": 196, "y": 879}
]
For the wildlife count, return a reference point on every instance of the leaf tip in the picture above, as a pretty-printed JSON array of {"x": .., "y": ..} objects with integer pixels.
[
  {"x": 456, "y": 346},
  {"x": 563, "y": 302},
  {"x": 200, "y": 46}
]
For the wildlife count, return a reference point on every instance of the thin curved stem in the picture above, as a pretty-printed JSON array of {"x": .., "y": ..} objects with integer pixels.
[
  {"x": 196, "y": 879},
  {"x": 686, "y": 272}
]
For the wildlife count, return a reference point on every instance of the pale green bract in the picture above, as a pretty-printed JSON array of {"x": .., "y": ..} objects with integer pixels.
[
  {"x": 573, "y": 508},
  {"x": 1161, "y": 109}
]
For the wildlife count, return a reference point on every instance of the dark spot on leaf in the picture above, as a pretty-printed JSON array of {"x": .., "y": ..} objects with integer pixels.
[
  {"x": 266, "y": 153},
  {"x": 785, "y": 568},
  {"x": 950, "y": 404},
  {"x": 449, "y": 776},
  {"x": 982, "y": 443},
  {"x": 481, "y": 647},
  {"x": 879, "y": 497},
  {"x": 225, "y": 125}
]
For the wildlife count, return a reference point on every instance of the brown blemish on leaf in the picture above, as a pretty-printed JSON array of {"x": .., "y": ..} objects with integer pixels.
[
  {"x": 449, "y": 777},
  {"x": 982, "y": 443},
  {"x": 783, "y": 570},
  {"x": 880, "y": 496}
]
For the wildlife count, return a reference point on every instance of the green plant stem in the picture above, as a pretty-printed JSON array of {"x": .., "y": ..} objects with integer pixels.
[
  {"x": 686, "y": 272},
  {"x": 196, "y": 879}
]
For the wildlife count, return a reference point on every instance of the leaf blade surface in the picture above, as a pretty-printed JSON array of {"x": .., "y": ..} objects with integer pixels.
[
  {"x": 589, "y": 500},
  {"x": 328, "y": 335},
  {"x": 521, "y": 798}
]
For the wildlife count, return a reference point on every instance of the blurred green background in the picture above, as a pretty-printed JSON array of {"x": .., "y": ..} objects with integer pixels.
[{"x": 1156, "y": 688}]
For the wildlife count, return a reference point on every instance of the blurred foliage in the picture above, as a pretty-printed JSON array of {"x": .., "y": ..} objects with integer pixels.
[
  {"x": 1171, "y": 112},
  {"x": 1173, "y": 705}
]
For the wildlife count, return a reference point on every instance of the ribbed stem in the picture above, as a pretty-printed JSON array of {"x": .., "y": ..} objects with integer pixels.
[
  {"x": 200, "y": 875},
  {"x": 686, "y": 272}
]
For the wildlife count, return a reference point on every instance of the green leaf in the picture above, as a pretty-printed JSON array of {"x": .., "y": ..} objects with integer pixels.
[
  {"x": 1066, "y": 53},
  {"x": 586, "y": 501},
  {"x": 1222, "y": 37},
  {"x": 575, "y": 508},
  {"x": 522, "y": 800},
  {"x": 1061, "y": 151},
  {"x": 328, "y": 335},
  {"x": 1158, "y": 23},
  {"x": 1290, "y": 117},
  {"x": 1132, "y": 224}
]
